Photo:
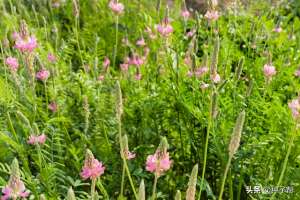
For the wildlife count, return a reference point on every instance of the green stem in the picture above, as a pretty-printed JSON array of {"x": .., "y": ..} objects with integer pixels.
[
  {"x": 286, "y": 160},
  {"x": 224, "y": 178},
  {"x": 116, "y": 43},
  {"x": 154, "y": 187},
  {"x": 46, "y": 95},
  {"x": 210, "y": 123},
  {"x": 123, "y": 177},
  {"x": 93, "y": 188},
  {"x": 130, "y": 180}
]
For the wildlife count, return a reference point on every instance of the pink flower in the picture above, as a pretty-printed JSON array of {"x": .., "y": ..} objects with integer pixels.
[
  {"x": 269, "y": 70},
  {"x": 294, "y": 105},
  {"x": 116, "y": 7},
  {"x": 158, "y": 162},
  {"x": 52, "y": 106},
  {"x": 101, "y": 77},
  {"x": 92, "y": 168},
  {"x": 124, "y": 67},
  {"x": 278, "y": 29},
  {"x": 203, "y": 86},
  {"x": 106, "y": 63},
  {"x": 165, "y": 28},
  {"x": 185, "y": 14},
  {"x": 190, "y": 73},
  {"x": 34, "y": 140},
  {"x": 129, "y": 155},
  {"x": 141, "y": 42},
  {"x": 200, "y": 71},
  {"x": 297, "y": 73},
  {"x": 138, "y": 76},
  {"x": 188, "y": 60},
  {"x": 212, "y": 15},
  {"x": 136, "y": 60},
  {"x": 27, "y": 44},
  {"x": 216, "y": 78},
  {"x": 12, "y": 63},
  {"x": 51, "y": 58},
  {"x": 14, "y": 190},
  {"x": 191, "y": 33},
  {"x": 43, "y": 75}
]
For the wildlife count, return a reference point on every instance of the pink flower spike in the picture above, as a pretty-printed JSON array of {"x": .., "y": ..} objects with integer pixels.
[
  {"x": 191, "y": 33},
  {"x": 185, "y": 14},
  {"x": 216, "y": 78},
  {"x": 116, "y": 7},
  {"x": 212, "y": 15},
  {"x": 12, "y": 63},
  {"x": 138, "y": 76},
  {"x": 43, "y": 75},
  {"x": 203, "y": 86},
  {"x": 34, "y": 140},
  {"x": 106, "y": 62},
  {"x": 92, "y": 168},
  {"x": 190, "y": 73},
  {"x": 129, "y": 155},
  {"x": 26, "y": 44},
  {"x": 53, "y": 107},
  {"x": 297, "y": 73},
  {"x": 6, "y": 191},
  {"x": 277, "y": 29},
  {"x": 51, "y": 58},
  {"x": 200, "y": 71},
  {"x": 42, "y": 139},
  {"x": 101, "y": 77},
  {"x": 165, "y": 28},
  {"x": 294, "y": 105},
  {"x": 269, "y": 70},
  {"x": 158, "y": 162},
  {"x": 124, "y": 67},
  {"x": 141, "y": 42}
]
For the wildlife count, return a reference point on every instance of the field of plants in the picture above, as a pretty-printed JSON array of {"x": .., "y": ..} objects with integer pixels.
[{"x": 149, "y": 99}]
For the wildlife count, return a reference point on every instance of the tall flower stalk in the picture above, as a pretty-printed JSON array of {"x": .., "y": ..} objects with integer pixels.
[
  {"x": 233, "y": 146},
  {"x": 92, "y": 170},
  {"x": 191, "y": 191},
  {"x": 125, "y": 154},
  {"x": 158, "y": 163},
  {"x": 294, "y": 106},
  {"x": 215, "y": 78}
]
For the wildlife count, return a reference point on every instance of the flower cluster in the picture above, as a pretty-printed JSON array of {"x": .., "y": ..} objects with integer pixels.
[
  {"x": 15, "y": 187},
  {"x": 92, "y": 168},
  {"x": 12, "y": 63},
  {"x": 34, "y": 140},
  {"x": 116, "y": 7}
]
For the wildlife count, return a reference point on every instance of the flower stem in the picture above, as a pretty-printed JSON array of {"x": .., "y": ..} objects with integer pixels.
[
  {"x": 130, "y": 179},
  {"x": 224, "y": 178},
  {"x": 286, "y": 159},
  {"x": 123, "y": 177},
  {"x": 93, "y": 188},
  {"x": 116, "y": 43},
  {"x": 154, "y": 187},
  {"x": 210, "y": 124}
]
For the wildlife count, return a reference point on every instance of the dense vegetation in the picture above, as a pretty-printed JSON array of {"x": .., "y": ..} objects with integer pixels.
[{"x": 139, "y": 99}]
